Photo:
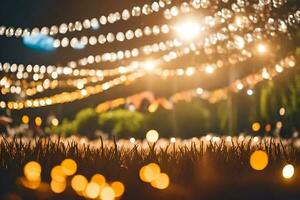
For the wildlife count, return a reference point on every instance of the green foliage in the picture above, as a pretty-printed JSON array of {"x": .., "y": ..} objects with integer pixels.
[
  {"x": 66, "y": 129},
  {"x": 270, "y": 101},
  {"x": 185, "y": 120},
  {"x": 222, "y": 116},
  {"x": 191, "y": 118},
  {"x": 121, "y": 122},
  {"x": 87, "y": 122}
]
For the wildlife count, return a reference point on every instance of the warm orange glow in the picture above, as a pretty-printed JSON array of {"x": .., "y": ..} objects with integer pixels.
[
  {"x": 33, "y": 185},
  {"x": 107, "y": 193},
  {"x": 69, "y": 167},
  {"x": 25, "y": 119},
  {"x": 118, "y": 188},
  {"x": 38, "y": 121},
  {"x": 79, "y": 183},
  {"x": 279, "y": 125},
  {"x": 268, "y": 128},
  {"x": 58, "y": 187},
  {"x": 256, "y": 126},
  {"x": 259, "y": 160},
  {"x": 32, "y": 171},
  {"x": 188, "y": 30},
  {"x": 161, "y": 182},
  {"x": 92, "y": 190},
  {"x": 99, "y": 179},
  {"x": 261, "y": 48},
  {"x": 57, "y": 174},
  {"x": 151, "y": 172},
  {"x": 149, "y": 65}
]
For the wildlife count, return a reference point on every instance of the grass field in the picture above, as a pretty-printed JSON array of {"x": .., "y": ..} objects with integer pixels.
[{"x": 199, "y": 168}]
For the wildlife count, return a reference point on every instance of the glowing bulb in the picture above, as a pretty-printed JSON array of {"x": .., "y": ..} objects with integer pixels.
[
  {"x": 38, "y": 121},
  {"x": 288, "y": 171},
  {"x": 57, "y": 187},
  {"x": 152, "y": 136},
  {"x": 107, "y": 193},
  {"x": 279, "y": 125},
  {"x": 282, "y": 111},
  {"x": 187, "y": 30},
  {"x": 32, "y": 171},
  {"x": 92, "y": 190},
  {"x": 132, "y": 140},
  {"x": 172, "y": 139},
  {"x": 150, "y": 172},
  {"x": 25, "y": 119},
  {"x": 54, "y": 122},
  {"x": 149, "y": 65},
  {"x": 118, "y": 188},
  {"x": 256, "y": 126},
  {"x": 99, "y": 179},
  {"x": 261, "y": 48},
  {"x": 259, "y": 160},
  {"x": 250, "y": 92},
  {"x": 69, "y": 167},
  {"x": 209, "y": 70},
  {"x": 79, "y": 183},
  {"x": 161, "y": 182},
  {"x": 57, "y": 174}
]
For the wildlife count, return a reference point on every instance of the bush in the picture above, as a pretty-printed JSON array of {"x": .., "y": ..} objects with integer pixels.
[
  {"x": 87, "y": 122},
  {"x": 122, "y": 123}
]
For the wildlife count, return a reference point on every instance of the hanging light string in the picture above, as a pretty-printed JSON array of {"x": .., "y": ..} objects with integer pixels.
[
  {"x": 93, "y": 23},
  {"x": 239, "y": 22},
  {"x": 67, "y": 97},
  {"x": 155, "y": 30},
  {"x": 24, "y": 88},
  {"x": 250, "y": 81},
  {"x": 40, "y": 71},
  {"x": 29, "y": 89},
  {"x": 238, "y": 42},
  {"x": 124, "y": 15}
]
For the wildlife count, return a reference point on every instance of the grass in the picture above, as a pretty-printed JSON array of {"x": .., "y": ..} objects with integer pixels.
[{"x": 198, "y": 168}]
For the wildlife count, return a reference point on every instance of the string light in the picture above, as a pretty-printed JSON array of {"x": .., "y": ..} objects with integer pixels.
[
  {"x": 211, "y": 96},
  {"x": 75, "y": 95},
  {"x": 94, "y": 23}
]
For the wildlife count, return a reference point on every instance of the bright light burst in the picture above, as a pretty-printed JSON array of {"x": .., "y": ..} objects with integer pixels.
[
  {"x": 261, "y": 48},
  {"x": 188, "y": 30}
]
